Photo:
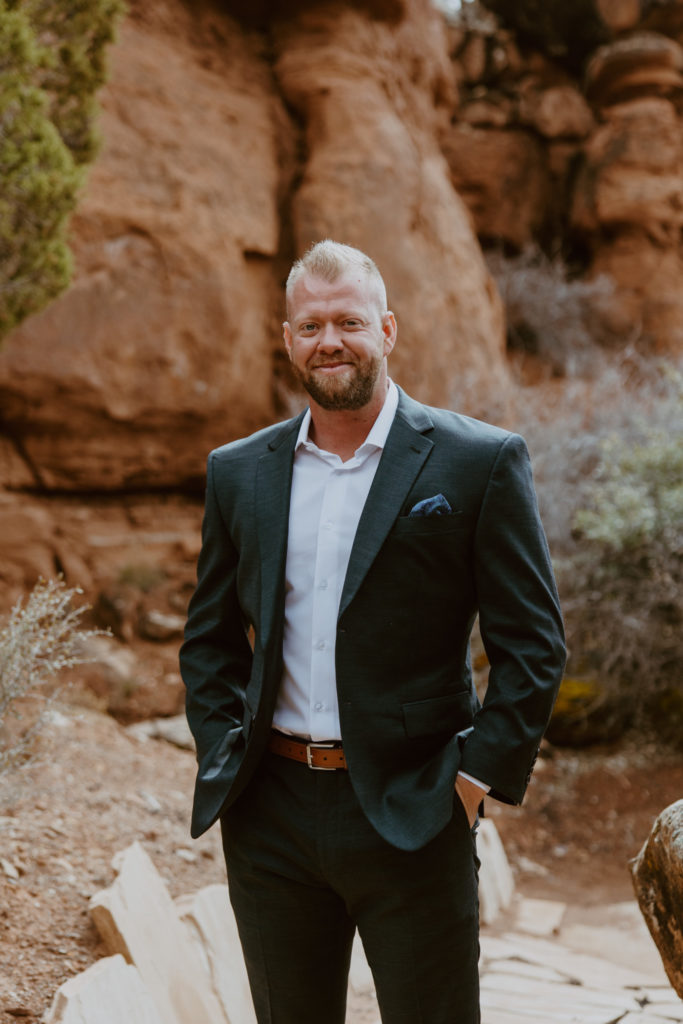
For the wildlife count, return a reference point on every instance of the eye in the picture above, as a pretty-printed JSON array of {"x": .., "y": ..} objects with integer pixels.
[
  {"x": 307, "y": 328},
  {"x": 352, "y": 322}
]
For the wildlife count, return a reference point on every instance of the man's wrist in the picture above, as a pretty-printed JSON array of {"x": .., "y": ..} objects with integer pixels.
[{"x": 477, "y": 782}]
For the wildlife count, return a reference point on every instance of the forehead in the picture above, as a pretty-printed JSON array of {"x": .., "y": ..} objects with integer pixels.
[{"x": 351, "y": 291}]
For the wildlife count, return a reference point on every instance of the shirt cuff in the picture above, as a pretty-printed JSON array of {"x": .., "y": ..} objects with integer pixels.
[{"x": 477, "y": 782}]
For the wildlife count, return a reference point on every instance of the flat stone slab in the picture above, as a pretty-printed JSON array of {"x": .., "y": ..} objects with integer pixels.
[
  {"x": 136, "y": 917},
  {"x": 211, "y": 926},
  {"x": 108, "y": 992},
  {"x": 496, "y": 882},
  {"x": 575, "y": 967},
  {"x": 539, "y": 917},
  {"x": 615, "y": 932},
  {"x": 527, "y": 980}
]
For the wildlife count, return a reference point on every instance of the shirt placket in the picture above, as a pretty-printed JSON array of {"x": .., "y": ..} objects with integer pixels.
[{"x": 323, "y": 700}]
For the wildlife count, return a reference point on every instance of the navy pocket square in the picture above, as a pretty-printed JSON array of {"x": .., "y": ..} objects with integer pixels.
[{"x": 435, "y": 506}]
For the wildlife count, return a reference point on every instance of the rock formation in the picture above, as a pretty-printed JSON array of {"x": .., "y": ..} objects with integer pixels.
[
  {"x": 583, "y": 158},
  {"x": 219, "y": 168},
  {"x": 238, "y": 133},
  {"x": 658, "y": 882}
]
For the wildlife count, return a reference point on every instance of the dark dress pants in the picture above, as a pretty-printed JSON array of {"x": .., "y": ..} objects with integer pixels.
[{"x": 305, "y": 869}]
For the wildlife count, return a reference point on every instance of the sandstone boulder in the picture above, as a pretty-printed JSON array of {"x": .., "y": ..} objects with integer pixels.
[
  {"x": 210, "y": 922},
  {"x": 557, "y": 112},
  {"x": 644, "y": 64},
  {"x": 374, "y": 99},
  {"x": 108, "y": 992},
  {"x": 496, "y": 883},
  {"x": 619, "y": 15},
  {"x": 628, "y": 205},
  {"x": 207, "y": 186},
  {"x": 503, "y": 177},
  {"x": 136, "y": 917},
  {"x": 162, "y": 347},
  {"x": 648, "y": 302},
  {"x": 658, "y": 882}
]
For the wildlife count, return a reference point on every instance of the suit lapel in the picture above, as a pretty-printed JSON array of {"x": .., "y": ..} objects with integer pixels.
[
  {"x": 404, "y": 454},
  {"x": 273, "y": 490}
]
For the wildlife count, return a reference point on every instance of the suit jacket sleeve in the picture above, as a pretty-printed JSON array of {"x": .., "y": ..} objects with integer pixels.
[
  {"x": 216, "y": 656},
  {"x": 521, "y": 628}
]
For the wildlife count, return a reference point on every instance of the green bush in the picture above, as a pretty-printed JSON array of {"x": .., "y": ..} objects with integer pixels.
[
  {"x": 623, "y": 583},
  {"x": 74, "y": 35},
  {"x": 51, "y": 63}
]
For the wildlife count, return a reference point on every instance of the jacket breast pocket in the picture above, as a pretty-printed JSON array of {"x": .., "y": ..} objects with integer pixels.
[
  {"x": 410, "y": 526},
  {"x": 446, "y": 714}
]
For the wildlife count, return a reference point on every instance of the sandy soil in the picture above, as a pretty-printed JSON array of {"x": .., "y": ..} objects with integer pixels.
[{"x": 94, "y": 789}]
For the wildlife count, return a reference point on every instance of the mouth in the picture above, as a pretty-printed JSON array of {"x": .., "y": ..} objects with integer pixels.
[{"x": 331, "y": 367}]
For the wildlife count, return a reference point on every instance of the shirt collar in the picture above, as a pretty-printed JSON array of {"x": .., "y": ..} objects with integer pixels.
[{"x": 377, "y": 438}]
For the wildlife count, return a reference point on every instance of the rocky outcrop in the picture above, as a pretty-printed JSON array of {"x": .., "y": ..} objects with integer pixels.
[
  {"x": 372, "y": 100},
  {"x": 162, "y": 347},
  {"x": 220, "y": 165},
  {"x": 658, "y": 882},
  {"x": 582, "y": 160},
  {"x": 628, "y": 196},
  {"x": 237, "y": 134}
]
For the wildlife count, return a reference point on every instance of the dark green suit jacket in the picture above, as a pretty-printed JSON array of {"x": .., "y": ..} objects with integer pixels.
[{"x": 409, "y": 714}]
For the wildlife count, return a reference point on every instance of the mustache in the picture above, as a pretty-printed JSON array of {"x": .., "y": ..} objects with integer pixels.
[{"x": 341, "y": 357}]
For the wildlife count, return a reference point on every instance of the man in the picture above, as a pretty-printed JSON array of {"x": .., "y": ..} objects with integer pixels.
[{"x": 358, "y": 541}]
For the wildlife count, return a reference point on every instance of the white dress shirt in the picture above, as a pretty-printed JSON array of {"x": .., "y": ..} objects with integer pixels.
[
  {"x": 326, "y": 503},
  {"x": 327, "y": 499}
]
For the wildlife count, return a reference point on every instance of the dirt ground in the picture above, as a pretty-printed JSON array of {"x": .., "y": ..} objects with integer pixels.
[{"x": 94, "y": 789}]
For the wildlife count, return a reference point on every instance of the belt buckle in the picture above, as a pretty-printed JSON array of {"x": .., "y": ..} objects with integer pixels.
[{"x": 309, "y": 760}]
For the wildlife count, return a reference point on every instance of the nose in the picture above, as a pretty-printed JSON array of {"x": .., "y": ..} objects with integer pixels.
[{"x": 329, "y": 339}]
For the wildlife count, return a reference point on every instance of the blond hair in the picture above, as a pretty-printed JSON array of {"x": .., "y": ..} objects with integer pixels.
[{"x": 330, "y": 260}]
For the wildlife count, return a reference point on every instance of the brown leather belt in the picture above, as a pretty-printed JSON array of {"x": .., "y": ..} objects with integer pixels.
[{"x": 323, "y": 756}]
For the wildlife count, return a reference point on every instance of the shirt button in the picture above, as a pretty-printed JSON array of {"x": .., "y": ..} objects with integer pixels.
[
  {"x": 321, "y": 645},
  {"x": 318, "y": 706},
  {"x": 322, "y": 585},
  {"x": 328, "y": 525}
]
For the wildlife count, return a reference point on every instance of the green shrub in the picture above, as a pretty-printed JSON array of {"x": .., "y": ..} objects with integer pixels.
[
  {"x": 51, "y": 63},
  {"x": 74, "y": 35},
  {"x": 624, "y": 581}
]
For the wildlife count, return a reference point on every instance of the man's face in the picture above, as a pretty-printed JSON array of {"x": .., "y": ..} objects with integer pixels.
[{"x": 337, "y": 338}]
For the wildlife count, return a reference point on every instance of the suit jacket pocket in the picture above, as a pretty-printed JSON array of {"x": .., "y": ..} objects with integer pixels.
[
  {"x": 436, "y": 715},
  {"x": 411, "y": 525}
]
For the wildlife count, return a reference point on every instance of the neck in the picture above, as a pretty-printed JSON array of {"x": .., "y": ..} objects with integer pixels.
[{"x": 342, "y": 431}]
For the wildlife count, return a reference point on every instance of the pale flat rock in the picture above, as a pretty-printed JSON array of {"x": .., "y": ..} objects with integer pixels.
[
  {"x": 529, "y": 1009},
  {"x": 161, "y": 627},
  {"x": 615, "y": 932},
  {"x": 522, "y": 969},
  {"x": 647, "y": 1017},
  {"x": 109, "y": 992},
  {"x": 360, "y": 976},
  {"x": 582, "y": 969},
  {"x": 174, "y": 730},
  {"x": 136, "y": 917},
  {"x": 211, "y": 925},
  {"x": 539, "y": 917},
  {"x": 496, "y": 883},
  {"x": 507, "y": 990},
  {"x": 494, "y": 1015}
]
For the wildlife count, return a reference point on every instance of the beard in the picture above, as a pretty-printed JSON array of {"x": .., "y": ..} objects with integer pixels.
[{"x": 345, "y": 392}]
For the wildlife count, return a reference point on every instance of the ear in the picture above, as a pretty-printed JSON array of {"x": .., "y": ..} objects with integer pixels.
[
  {"x": 389, "y": 330},
  {"x": 287, "y": 336}
]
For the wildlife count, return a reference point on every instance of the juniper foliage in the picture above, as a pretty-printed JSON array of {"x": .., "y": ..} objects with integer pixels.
[{"x": 51, "y": 64}]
